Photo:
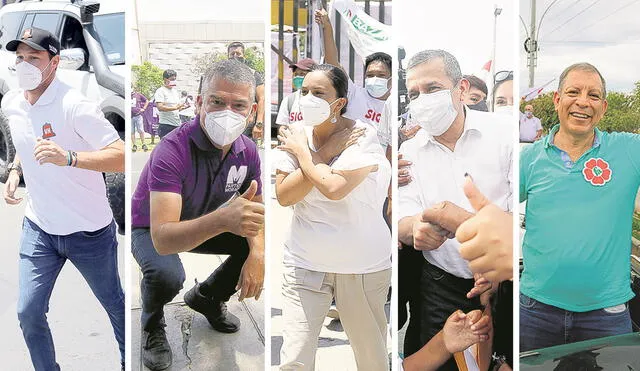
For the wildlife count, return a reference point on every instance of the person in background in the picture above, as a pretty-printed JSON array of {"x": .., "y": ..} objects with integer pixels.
[
  {"x": 366, "y": 104},
  {"x": 168, "y": 104},
  {"x": 254, "y": 130},
  {"x": 188, "y": 111},
  {"x": 289, "y": 112},
  {"x": 503, "y": 92},
  {"x": 476, "y": 97},
  {"x": 139, "y": 104},
  {"x": 460, "y": 331},
  {"x": 530, "y": 126}
]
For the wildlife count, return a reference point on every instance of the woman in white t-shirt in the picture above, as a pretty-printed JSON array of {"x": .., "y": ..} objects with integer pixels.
[{"x": 338, "y": 245}]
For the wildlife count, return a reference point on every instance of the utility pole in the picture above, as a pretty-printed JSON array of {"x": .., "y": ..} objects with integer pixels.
[{"x": 532, "y": 45}]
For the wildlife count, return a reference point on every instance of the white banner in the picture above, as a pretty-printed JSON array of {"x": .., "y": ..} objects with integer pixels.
[{"x": 365, "y": 33}]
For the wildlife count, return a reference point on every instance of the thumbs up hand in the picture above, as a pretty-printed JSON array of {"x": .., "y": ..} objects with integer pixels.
[
  {"x": 245, "y": 217},
  {"x": 486, "y": 239}
]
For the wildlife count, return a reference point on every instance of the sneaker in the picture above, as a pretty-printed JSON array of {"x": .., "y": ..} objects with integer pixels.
[
  {"x": 214, "y": 311},
  {"x": 156, "y": 353},
  {"x": 145, "y": 148},
  {"x": 333, "y": 312},
  {"x": 135, "y": 148}
]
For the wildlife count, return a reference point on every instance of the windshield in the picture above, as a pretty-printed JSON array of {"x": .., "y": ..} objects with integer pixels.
[{"x": 110, "y": 29}]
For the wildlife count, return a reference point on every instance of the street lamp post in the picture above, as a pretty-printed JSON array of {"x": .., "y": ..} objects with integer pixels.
[{"x": 496, "y": 13}]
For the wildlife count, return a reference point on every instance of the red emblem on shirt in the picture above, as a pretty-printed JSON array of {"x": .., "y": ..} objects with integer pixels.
[
  {"x": 47, "y": 131},
  {"x": 596, "y": 171}
]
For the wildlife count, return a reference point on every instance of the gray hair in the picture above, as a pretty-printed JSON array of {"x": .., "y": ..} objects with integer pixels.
[
  {"x": 232, "y": 71},
  {"x": 451, "y": 66},
  {"x": 586, "y": 67}
]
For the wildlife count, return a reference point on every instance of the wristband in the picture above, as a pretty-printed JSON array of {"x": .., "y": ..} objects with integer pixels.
[
  {"x": 74, "y": 158},
  {"x": 14, "y": 166},
  {"x": 68, "y": 158}
]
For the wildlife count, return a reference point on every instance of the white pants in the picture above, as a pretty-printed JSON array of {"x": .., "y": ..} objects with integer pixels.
[{"x": 360, "y": 299}]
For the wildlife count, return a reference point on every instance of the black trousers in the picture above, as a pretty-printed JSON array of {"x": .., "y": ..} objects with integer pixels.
[
  {"x": 442, "y": 294},
  {"x": 163, "y": 275},
  {"x": 409, "y": 271}
]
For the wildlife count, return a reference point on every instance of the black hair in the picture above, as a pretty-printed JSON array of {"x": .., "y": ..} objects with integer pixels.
[
  {"x": 476, "y": 82},
  {"x": 235, "y": 44},
  {"x": 378, "y": 57},
  {"x": 167, "y": 74},
  {"x": 339, "y": 80}
]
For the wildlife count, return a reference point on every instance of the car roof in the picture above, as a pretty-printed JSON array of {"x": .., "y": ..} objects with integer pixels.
[{"x": 106, "y": 7}]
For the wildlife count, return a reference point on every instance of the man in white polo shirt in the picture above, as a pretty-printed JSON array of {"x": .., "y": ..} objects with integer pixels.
[
  {"x": 63, "y": 143},
  {"x": 454, "y": 142}
]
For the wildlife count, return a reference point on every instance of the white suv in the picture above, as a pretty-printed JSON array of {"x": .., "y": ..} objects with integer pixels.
[{"x": 92, "y": 60}]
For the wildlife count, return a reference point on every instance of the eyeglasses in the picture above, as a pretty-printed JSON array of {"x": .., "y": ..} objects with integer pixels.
[{"x": 502, "y": 75}]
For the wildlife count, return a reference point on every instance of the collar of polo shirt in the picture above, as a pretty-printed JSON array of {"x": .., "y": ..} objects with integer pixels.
[{"x": 548, "y": 140}]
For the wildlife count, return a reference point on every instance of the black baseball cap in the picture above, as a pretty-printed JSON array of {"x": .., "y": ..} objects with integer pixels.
[{"x": 38, "y": 39}]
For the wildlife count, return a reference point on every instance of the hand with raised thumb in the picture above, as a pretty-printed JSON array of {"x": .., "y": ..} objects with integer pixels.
[
  {"x": 486, "y": 239},
  {"x": 245, "y": 217},
  {"x": 251, "y": 191}
]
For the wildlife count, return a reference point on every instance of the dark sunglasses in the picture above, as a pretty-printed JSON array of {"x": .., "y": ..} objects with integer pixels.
[{"x": 502, "y": 76}]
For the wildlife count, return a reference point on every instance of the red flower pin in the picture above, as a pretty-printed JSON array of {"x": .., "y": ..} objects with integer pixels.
[{"x": 596, "y": 171}]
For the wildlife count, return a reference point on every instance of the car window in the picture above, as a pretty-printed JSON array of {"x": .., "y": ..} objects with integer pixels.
[
  {"x": 46, "y": 21},
  {"x": 110, "y": 30},
  {"x": 9, "y": 24}
]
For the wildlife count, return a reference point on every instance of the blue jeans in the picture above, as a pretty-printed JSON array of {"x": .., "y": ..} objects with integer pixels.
[
  {"x": 42, "y": 256},
  {"x": 543, "y": 325},
  {"x": 164, "y": 275}
]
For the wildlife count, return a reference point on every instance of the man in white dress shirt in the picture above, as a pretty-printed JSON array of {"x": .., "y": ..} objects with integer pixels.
[{"x": 453, "y": 142}]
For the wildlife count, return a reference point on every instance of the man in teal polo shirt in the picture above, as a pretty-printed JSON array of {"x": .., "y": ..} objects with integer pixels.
[{"x": 580, "y": 184}]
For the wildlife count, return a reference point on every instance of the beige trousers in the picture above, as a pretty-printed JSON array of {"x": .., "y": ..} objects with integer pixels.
[{"x": 360, "y": 299}]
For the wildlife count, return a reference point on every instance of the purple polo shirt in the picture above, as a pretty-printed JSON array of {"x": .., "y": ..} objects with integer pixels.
[
  {"x": 187, "y": 163},
  {"x": 138, "y": 101}
]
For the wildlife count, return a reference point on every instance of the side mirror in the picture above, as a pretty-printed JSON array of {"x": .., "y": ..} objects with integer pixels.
[{"x": 72, "y": 59}]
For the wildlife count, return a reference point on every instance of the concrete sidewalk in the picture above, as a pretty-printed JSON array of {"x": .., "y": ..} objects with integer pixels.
[
  {"x": 195, "y": 345},
  {"x": 334, "y": 352},
  {"x": 81, "y": 330}
]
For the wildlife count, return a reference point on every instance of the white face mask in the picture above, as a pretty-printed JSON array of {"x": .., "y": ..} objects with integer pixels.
[
  {"x": 376, "y": 86},
  {"x": 504, "y": 110},
  {"x": 314, "y": 110},
  {"x": 223, "y": 127},
  {"x": 172, "y": 83},
  {"x": 434, "y": 112},
  {"x": 29, "y": 76}
]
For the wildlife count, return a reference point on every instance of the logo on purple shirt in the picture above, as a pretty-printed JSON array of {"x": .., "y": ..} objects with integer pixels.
[{"x": 235, "y": 178}]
